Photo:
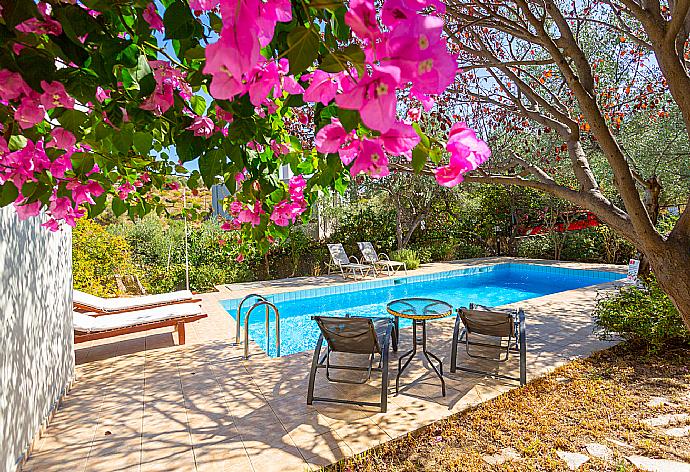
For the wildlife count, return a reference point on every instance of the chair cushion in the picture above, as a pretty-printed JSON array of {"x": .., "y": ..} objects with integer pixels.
[
  {"x": 89, "y": 324},
  {"x": 116, "y": 304}
]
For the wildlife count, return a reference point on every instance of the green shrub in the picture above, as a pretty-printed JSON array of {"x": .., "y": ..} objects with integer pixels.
[
  {"x": 535, "y": 247},
  {"x": 642, "y": 314},
  {"x": 465, "y": 250},
  {"x": 408, "y": 256},
  {"x": 97, "y": 257},
  {"x": 424, "y": 254}
]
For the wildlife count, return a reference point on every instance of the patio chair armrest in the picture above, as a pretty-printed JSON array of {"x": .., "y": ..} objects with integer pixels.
[
  {"x": 384, "y": 256},
  {"x": 354, "y": 259}
]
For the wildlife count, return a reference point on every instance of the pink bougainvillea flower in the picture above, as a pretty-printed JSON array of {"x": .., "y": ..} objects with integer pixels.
[
  {"x": 286, "y": 212},
  {"x": 395, "y": 11},
  {"x": 124, "y": 190},
  {"x": 152, "y": 17},
  {"x": 361, "y": 17},
  {"x": 62, "y": 139},
  {"x": 60, "y": 207},
  {"x": 54, "y": 95},
  {"x": 400, "y": 139},
  {"x": 61, "y": 165},
  {"x": 52, "y": 224},
  {"x": 24, "y": 209},
  {"x": 203, "y": 5},
  {"x": 30, "y": 112},
  {"x": 265, "y": 78},
  {"x": 374, "y": 97},
  {"x": 168, "y": 79},
  {"x": 330, "y": 137},
  {"x": 467, "y": 152},
  {"x": 102, "y": 94},
  {"x": 240, "y": 258},
  {"x": 12, "y": 86},
  {"x": 279, "y": 149},
  {"x": 80, "y": 193},
  {"x": 426, "y": 101},
  {"x": 371, "y": 159},
  {"x": 435, "y": 73},
  {"x": 414, "y": 114},
  {"x": 223, "y": 115},
  {"x": 296, "y": 186},
  {"x": 202, "y": 126},
  {"x": 237, "y": 50},
  {"x": 251, "y": 215},
  {"x": 416, "y": 47},
  {"x": 290, "y": 85},
  {"x": 323, "y": 86},
  {"x": 36, "y": 26},
  {"x": 94, "y": 188},
  {"x": 270, "y": 13}
]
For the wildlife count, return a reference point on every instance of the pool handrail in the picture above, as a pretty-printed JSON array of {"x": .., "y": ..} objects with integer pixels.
[
  {"x": 268, "y": 306},
  {"x": 238, "y": 318}
]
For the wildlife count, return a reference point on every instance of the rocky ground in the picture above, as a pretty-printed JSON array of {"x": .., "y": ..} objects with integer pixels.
[{"x": 622, "y": 409}]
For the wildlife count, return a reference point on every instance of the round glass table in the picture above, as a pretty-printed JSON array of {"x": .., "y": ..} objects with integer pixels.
[{"x": 419, "y": 310}]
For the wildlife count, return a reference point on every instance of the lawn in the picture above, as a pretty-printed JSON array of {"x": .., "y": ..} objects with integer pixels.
[{"x": 601, "y": 399}]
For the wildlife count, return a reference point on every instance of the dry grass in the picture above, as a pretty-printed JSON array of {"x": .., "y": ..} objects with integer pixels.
[{"x": 592, "y": 400}]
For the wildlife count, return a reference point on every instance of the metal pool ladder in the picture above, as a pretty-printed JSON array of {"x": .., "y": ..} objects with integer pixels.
[{"x": 261, "y": 301}]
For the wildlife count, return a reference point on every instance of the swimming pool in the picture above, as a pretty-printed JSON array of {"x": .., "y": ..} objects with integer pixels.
[{"x": 489, "y": 285}]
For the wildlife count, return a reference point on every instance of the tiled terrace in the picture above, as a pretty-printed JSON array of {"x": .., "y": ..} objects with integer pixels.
[{"x": 142, "y": 403}]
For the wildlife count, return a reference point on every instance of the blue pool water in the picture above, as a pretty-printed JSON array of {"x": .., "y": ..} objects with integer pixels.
[{"x": 492, "y": 285}]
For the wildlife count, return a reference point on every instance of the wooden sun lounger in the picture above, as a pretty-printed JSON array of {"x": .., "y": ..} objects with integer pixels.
[
  {"x": 95, "y": 306},
  {"x": 178, "y": 322}
]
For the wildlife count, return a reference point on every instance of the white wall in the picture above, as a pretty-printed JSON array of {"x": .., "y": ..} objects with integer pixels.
[{"x": 36, "y": 338}]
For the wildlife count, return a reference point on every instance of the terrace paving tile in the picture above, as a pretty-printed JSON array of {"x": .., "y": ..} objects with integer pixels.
[{"x": 144, "y": 403}]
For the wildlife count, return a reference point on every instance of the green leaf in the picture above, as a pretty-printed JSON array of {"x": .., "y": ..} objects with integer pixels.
[
  {"x": 197, "y": 52},
  {"x": 36, "y": 66},
  {"x": 326, "y": 4},
  {"x": 99, "y": 207},
  {"x": 349, "y": 118},
  {"x": 82, "y": 162},
  {"x": 72, "y": 120},
  {"x": 294, "y": 101},
  {"x": 17, "y": 142},
  {"x": 424, "y": 138},
  {"x": 142, "y": 142},
  {"x": 435, "y": 154},
  {"x": 303, "y": 49},
  {"x": 179, "y": 21},
  {"x": 119, "y": 207},
  {"x": 419, "y": 157},
  {"x": 211, "y": 164},
  {"x": 198, "y": 104},
  {"x": 8, "y": 194},
  {"x": 338, "y": 61},
  {"x": 123, "y": 140}
]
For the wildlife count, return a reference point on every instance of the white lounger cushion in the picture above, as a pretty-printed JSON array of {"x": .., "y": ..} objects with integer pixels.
[
  {"x": 88, "y": 324},
  {"x": 116, "y": 304}
]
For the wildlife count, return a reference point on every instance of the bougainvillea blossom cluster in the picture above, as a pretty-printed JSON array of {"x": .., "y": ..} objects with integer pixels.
[{"x": 135, "y": 99}]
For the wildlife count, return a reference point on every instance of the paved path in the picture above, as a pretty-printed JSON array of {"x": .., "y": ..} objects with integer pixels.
[{"x": 143, "y": 403}]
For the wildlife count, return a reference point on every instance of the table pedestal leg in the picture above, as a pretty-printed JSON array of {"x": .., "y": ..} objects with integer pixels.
[{"x": 427, "y": 354}]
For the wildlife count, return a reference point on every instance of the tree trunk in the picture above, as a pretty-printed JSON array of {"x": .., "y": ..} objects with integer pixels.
[
  {"x": 652, "y": 192},
  {"x": 398, "y": 225},
  {"x": 672, "y": 270}
]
